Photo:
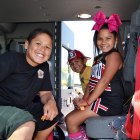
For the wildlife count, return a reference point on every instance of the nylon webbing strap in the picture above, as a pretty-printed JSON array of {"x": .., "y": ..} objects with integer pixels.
[
  {"x": 136, "y": 121},
  {"x": 128, "y": 124},
  {"x": 133, "y": 130}
]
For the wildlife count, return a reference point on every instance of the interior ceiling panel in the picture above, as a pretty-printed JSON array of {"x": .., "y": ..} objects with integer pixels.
[{"x": 62, "y": 10}]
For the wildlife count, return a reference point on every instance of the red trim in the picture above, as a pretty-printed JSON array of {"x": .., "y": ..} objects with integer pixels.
[
  {"x": 50, "y": 136},
  {"x": 97, "y": 105}
]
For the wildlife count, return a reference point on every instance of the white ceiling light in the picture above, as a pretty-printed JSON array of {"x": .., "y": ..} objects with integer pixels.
[{"x": 84, "y": 16}]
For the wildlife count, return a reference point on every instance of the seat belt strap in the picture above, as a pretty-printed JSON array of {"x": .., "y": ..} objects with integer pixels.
[{"x": 136, "y": 120}]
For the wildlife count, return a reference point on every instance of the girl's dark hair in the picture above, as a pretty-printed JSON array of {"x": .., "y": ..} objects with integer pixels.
[
  {"x": 36, "y": 32},
  {"x": 116, "y": 35}
]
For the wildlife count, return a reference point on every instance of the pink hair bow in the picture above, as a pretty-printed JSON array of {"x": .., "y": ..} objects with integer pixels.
[{"x": 113, "y": 22}]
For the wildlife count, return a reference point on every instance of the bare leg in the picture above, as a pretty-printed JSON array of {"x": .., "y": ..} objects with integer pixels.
[
  {"x": 24, "y": 132},
  {"x": 76, "y": 118},
  {"x": 43, "y": 135}
]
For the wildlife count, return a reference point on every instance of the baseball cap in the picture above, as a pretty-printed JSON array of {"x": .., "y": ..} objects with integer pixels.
[{"x": 74, "y": 54}]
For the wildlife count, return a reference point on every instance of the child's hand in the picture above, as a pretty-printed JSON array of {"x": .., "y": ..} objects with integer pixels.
[
  {"x": 74, "y": 102},
  {"x": 44, "y": 117},
  {"x": 80, "y": 103}
]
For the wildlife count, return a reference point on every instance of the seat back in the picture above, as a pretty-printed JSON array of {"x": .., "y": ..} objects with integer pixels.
[
  {"x": 13, "y": 45},
  {"x": 99, "y": 127}
]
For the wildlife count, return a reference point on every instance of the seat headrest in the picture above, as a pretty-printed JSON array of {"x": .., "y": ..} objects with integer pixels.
[{"x": 14, "y": 46}]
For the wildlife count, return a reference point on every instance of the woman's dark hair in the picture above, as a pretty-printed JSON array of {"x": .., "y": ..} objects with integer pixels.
[
  {"x": 36, "y": 32},
  {"x": 116, "y": 35}
]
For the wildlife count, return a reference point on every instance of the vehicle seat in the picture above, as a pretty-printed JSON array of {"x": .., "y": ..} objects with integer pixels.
[
  {"x": 14, "y": 46},
  {"x": 99, "y": 127}
]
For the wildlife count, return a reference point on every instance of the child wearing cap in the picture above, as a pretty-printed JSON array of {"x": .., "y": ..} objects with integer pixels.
[{"x": 77, "y": 61}]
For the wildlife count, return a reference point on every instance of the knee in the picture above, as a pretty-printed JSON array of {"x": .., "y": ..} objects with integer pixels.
[
  {"x": 31, "y": 125},
  {"x": 30, "y": 129},
  {"x": 24, "y": 132},
  {"x": 69, "y": 120}
]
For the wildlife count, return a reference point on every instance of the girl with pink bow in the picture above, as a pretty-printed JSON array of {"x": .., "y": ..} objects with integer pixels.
[{"x": 105, "y": 90}]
